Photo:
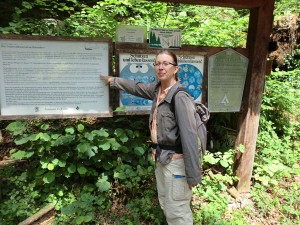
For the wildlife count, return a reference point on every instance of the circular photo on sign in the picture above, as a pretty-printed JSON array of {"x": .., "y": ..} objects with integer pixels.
[{"x": 191, "y": 79}]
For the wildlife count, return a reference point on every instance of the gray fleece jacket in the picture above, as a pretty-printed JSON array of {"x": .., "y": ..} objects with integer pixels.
[{"x": 171, "y": 129}]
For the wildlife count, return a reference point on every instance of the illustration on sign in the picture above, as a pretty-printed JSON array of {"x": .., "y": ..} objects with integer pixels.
[
  {"x": 165, "y": 38},
  {"x": 191, "y": 74},
  {"x": 137, "y": 67}
]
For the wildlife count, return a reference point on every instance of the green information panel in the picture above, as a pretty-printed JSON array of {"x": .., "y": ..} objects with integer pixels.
[{"x": 226, "y": 78}]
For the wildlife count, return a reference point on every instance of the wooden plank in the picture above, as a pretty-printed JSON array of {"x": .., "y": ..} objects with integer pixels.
[
  {"x": 9, "y": 162},
  {"x": 239, "y": 4},
  {"x": 260, "y": 28},
  {"x": 38, "y": 215}
]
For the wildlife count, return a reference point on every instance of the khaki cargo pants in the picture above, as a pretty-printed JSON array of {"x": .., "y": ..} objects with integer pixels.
[{"x": 174, "y": 193}]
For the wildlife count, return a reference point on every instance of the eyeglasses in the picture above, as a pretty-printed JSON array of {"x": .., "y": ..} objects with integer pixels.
[{"x": 163, "y": 64}]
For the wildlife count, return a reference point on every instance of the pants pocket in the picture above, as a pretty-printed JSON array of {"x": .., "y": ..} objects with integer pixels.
[{"x": 180, "y": 188}]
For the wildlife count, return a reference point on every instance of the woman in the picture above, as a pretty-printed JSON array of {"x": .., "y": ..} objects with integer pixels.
[{"x": 174, "y": 137}]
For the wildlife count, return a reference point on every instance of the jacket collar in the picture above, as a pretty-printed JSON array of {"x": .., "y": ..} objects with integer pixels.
[{"x": 171, "y": 92}]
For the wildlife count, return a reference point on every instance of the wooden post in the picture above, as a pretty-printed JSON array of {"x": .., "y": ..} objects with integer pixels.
[{"x": 260, "y": 28}]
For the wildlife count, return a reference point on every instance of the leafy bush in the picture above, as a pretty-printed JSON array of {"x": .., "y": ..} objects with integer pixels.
[
  {"x": 279, "y": 127},
  {"x": 62, "y": 153},
  {"x": 21, "y": 197}
]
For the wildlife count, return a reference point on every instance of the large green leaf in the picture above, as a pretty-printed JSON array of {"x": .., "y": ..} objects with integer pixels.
[
  {"x": 22, "y": 155},
  {"x": 81, "y": 170},
  {"x": 17, "y": 127},
  {"x": 49, "y": 177},
  {"x": 83, "y": 147},
  {"x": 139, "y": 150},
  {"x": 104, "y": 145},
  {"x": 44, "y": 136},
  {"x": 89, "y": 136},
  {"x": 50, "y": 166},
  {"x": 103, "y": 184},
  {"x": 64, "y": 140},
  {"x": 70, "y": 130},
  {"x": 72, "y": 168},
  {"x": 80, "y": 128},
  {"x": 18, "y": 155},
  {"x": 101, "y": 133},
  {"x": 91, "y": 152},
  {"x": 21, "y": 141}
]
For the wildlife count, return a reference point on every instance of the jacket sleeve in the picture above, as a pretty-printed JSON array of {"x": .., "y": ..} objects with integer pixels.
[
  {"x": 186, "y": 121},
  {"x": 135, "y": 88}
]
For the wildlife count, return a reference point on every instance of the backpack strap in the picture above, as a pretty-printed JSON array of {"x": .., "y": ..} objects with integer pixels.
[
  {"x": 201, "y": 109},
  {"x": 173, "y": 97}
]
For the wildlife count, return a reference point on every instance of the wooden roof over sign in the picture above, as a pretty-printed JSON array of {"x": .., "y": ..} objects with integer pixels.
[{"x": 240, "y": 4}]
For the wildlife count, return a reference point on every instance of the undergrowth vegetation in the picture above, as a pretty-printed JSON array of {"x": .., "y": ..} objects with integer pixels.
[{"x": 93, "y": 169}]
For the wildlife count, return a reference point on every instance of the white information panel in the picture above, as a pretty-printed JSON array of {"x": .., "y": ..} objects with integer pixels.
[
  {"x": 42, "y": 77},
  {"x": 227, "y": 72}
]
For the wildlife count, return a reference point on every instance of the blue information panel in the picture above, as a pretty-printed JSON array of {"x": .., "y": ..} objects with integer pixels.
[
  {"x": 137, "y": 67},
  {"x": 191, "y": 74}
]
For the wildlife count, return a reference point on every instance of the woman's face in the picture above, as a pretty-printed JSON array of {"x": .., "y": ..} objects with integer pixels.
[{"x": 165, "y": 68}]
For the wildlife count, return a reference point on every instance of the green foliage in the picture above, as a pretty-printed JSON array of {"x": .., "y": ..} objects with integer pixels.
[
  {"x": 40, "y": 17},
  {"x": 200, "y": 24},
  {"x": 76, "y": 152},
  {"x": 278, "y": 151},
  {"x": 82, "y": 211},
  {"x": 213, "y": 201},
  {"x": 210, "y": 26},
  {"x": 284, "y": 196},
  {"x": 143, "y": 209},
  {"x": 282, "y": 100},
  {"x": 21, "y": 197},
  {"x": 286, "y": 7},
  {"x": 292, "y": 62},
  {"x": 64, "y": 152}
]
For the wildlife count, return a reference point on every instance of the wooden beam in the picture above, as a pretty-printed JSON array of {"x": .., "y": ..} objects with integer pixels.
[
  {"x": 260, "y": 28},
  {"x": 238, "y": 4},
  {"x": 38, "y": 215}
]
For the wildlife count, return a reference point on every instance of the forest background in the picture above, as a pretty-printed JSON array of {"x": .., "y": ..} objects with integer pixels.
[{"x": 91, "y": 170}]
